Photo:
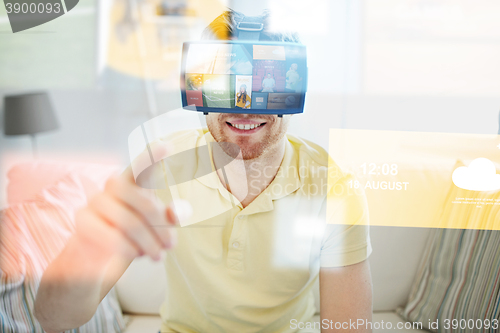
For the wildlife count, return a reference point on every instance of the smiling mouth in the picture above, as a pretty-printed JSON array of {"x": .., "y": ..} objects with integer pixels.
[{"x": 246, "y": 127}]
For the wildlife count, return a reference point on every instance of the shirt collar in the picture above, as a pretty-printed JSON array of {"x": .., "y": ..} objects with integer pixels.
[
  {"x": 287, "y": 179},
  {"x": 212, "y": 180},
  {"x": 286, "y": 182}
]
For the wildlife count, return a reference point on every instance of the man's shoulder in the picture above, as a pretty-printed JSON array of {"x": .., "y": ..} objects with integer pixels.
[
  {"x": 314, "y": 163},
  {"x": 308, "y": 150}
]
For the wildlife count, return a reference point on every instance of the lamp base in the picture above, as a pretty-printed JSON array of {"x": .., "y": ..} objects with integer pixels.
[{"x": 34, "y": 146}]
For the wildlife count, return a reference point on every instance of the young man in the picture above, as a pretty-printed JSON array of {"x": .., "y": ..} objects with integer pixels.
[{"x": 263, "y": 240}]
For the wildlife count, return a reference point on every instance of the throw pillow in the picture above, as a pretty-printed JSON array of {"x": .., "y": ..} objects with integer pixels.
[
  {"x": 31, "y": 235},
  {"x": 457, "y": 288}
]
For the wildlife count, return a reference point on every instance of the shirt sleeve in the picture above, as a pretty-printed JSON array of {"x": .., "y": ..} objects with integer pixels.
[{"x": 346, "y": 238}]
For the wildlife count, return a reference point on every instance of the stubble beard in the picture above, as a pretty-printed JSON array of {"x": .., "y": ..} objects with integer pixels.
[{"x": 249, "y": 152}]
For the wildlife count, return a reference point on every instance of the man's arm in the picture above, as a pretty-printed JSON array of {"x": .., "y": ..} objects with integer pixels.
[
  {"x": 74, "y": 284},
  {"x": 346, "y": 294},
  {"x": 119, "y": 224}
]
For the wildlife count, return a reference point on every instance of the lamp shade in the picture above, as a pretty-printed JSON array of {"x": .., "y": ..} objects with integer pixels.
[{"x": 29, "y": 114}]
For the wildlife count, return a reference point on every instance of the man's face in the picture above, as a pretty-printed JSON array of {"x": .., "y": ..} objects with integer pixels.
[{"x": 256, "y": 135}]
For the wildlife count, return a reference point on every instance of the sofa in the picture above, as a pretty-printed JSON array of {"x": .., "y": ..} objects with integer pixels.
[{"x": 397, "y": 251}]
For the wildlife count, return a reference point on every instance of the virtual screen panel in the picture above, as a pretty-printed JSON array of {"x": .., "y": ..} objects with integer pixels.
[{"x": 246, "y": 76}]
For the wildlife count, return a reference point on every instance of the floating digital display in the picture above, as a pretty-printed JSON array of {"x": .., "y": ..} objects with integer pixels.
[{"x": 244, "y": 77}]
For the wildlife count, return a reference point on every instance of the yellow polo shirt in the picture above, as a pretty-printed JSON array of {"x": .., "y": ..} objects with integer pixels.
[{"x": 251, "y": 269}]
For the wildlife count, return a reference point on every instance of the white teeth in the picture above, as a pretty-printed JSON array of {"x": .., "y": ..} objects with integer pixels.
[{"x": 245, "y": 127}]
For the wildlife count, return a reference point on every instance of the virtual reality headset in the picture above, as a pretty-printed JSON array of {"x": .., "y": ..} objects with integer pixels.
[{"x": 244, "y": 75}]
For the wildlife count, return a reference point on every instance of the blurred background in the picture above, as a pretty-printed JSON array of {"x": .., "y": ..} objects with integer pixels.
[{"x": 110, "y": 65}]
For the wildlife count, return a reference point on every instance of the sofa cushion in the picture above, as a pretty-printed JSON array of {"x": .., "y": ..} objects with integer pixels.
[
  {"x": 459, "y": 277},
  {"x": 32, "y": 234},
  {"x": 390, "y": 322},
  {"x": 383, "y": 322},
  {"x": 142, "y": 288},
  {"x": 26, "y": 180},
  {"x": 143, "y": 324}
]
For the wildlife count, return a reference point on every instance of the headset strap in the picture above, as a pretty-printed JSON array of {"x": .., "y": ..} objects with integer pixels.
[{"x": 249, "y": 28}]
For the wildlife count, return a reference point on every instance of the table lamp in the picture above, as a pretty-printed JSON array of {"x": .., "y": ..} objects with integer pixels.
[{"x": 29, "y": 114}]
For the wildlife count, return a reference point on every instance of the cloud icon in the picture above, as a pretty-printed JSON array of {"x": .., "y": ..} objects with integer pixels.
[{"x": 480, "y": 175}]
